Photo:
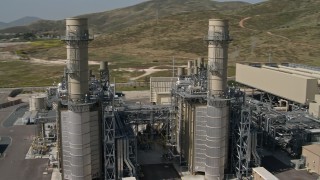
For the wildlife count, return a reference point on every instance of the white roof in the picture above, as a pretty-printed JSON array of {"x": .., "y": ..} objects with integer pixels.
[{"x": 314, "y": 130}]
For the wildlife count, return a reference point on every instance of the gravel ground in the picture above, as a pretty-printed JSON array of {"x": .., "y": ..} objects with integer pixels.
[
  {"x": 159, "y": 172},
  {"x": 285, "y": 172},
  {"x": 13, "y": 165}
]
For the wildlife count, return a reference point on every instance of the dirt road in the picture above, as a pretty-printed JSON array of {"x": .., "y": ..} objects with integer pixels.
[{"x": 149, "y": 71}]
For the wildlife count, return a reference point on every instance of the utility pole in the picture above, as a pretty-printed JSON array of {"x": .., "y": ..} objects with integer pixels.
[
  {"x": 173, "y": 66},
  {"x": 270, "y": 56}
]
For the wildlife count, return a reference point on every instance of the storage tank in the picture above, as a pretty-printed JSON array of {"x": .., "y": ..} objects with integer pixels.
[
  {"x": 181, "y": 71},
  {"x": 37, "y": 102}
]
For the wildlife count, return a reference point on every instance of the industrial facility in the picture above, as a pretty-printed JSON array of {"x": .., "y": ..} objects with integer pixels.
[{"x": 206, "y": 126}]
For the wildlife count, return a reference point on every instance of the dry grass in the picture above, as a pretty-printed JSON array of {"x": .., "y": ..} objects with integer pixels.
[{"x": 145, "y": 43}]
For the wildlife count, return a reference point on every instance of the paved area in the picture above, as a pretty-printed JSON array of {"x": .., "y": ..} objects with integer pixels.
[
  {"x": 3, "y": 97},
  {"x": 4, "y": 143},
  {"x": 159, "y": 172},
  {"x": 153, "y": 156},
  {"x": 284, "y": 171},
  {"x": 12, "y": 118},
  {"x": 13, "y": 165},
  {"x": 293, "y": 174}
]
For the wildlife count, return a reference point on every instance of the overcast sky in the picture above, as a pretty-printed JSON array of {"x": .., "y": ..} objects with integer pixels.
[{"x": 59, "y": 9}]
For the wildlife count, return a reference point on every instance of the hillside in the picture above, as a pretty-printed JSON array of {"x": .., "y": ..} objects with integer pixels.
[
  {"x": 268, "y": 34},
  {"x": 260, "y": 32},
  {"x": 276, "y": 31},
  {"x": 19, "y": 22},
  {"x": 118, "y": 19}
]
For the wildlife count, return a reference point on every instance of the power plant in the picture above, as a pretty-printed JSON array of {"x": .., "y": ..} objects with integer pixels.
[
  {"x": 207, "y": 126},
  {"x": 213, "y": 128}
]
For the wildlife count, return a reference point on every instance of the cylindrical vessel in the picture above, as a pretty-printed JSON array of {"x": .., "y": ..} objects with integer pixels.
[
  {"x": 103, "y": 65},
  {"x": 37, "y": 102},
  {"x": 195, "y": 70},
  {"x": 189, "y": 71},
  {"x": 218, "y": 39},
  {"x": 180, "y": 71},
  {"x": 195, "y": 63},
  {"x": 77, "y": 37},
  {"x": 200, "y": 62},
  {"x": 190, "y": 64}
]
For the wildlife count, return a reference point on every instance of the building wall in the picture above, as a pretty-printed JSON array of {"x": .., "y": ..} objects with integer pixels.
[
  {"x": 160, "y": 85},
  {"x": 312, "y": 160},
  {"x": 292, "y": 87},
  {"x": 163, "y": 98},
  {"x": 314, "y": 107}
]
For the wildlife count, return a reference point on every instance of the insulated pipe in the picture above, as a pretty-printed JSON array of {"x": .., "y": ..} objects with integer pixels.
[
  {"x": 190, "y": 64},
  {"x": 299, "y": 71},
  {"x": 103, "y": 65},
  {"x": 293, "y": 72},
  {"x": 189, "y": 71},
  {"x": 308, "y": 70}
]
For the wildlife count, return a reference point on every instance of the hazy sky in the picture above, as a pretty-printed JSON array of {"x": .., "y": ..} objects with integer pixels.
[{"x": 59, "y": 9}]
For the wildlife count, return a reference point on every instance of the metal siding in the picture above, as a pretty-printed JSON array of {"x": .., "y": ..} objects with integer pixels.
[
  {"x": 200, "y": 139},
  {"x": 289, "y": 86},
  {"x": 160, "y": 84},
  {"x": 314, "y": 109},
  {"x": 94, "y": 144},
  {"x": 65, "y": 145},
  {"x": 216, "y": 134}
]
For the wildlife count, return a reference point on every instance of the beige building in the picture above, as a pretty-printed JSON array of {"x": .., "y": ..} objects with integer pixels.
[
  {"x": 300, "y": 85},
  {"x": 314, "y": 107},
  {"x": 260, "y": 173},
  {"x": 160, "y": 89},
  {"x": 312, "y": 155},
  {"x": 288, "y": 85}
]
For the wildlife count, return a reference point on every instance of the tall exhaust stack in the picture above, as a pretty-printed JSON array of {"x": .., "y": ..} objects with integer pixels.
[
  {"x": 80, "y": 122},
  {"x": 77, "y": 38},
  {"x": 218, "y": 42},
  {"x": 217, "y": 120}
]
